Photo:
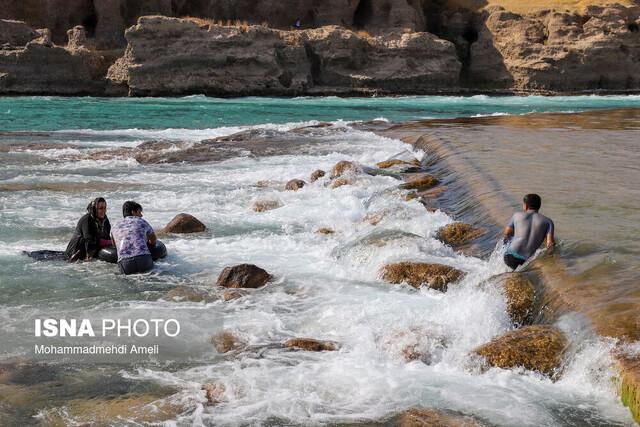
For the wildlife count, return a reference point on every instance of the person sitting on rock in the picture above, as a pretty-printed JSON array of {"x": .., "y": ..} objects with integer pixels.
[
  {"x": 132, "y": 237},
  {"x": 92, "y": 232},
  {"x": 526, "y": 232}
]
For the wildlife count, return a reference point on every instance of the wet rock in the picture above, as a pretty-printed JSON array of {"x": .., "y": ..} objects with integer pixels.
[
  {"x": 432, "y": 418},
  {"x": 458, "y": 233},
  {"x": 397, "y": 162},
  {"x": 184, "y": 223},
  {"x": 294, "y": 185},
  {"x": 266, "y": 205},
  {"x": 325, "y": 230},
  {"x": 419, "y": 181},
  {"x": 520, "y": 296},
  {"x": 415, "y": 343},
  {"x": 243, "y": 276},
  {"x": 416, "y": 274},
  {"x": 231, "y": 295},
  {"x": 375, "y": 217},
  {"x": 308, "y": 344},
  {"x": 536, "y": 348},
  {"x": 214, "y": 392},
  {"x": 343, "y": 167},
  {"x": 410, "y": 196},
  {"x": 629, "y": 381},
  {"x": 187, "y": 293},
  {"x": 140, "y": 407},
  {"x": 316, "y": 175},
  {"x": 339, "y": 182},
  {"x": 226, "y": 341}
]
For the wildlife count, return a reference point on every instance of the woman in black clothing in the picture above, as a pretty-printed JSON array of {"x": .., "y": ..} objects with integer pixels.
[{"x": 92, "y": 232}]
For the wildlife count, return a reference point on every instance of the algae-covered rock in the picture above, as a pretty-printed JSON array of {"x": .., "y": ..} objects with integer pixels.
[
  {"x": 520, "y": 296},
  {"x": 629, "y": 382},
  {"x": 184, "y": 223},
  {"x": 431, "y": 418},
  {"x": 266, "y": 205},
  {"x": 458, "y": 233},
  {"x": 419, "y": 181},
  {"x": 309, "y": 344},
  {"x": 316, "y": 175},
  {"x": 294, "y": 185},
  {"x": 243, "y": 276},
  {"x": 343, "y": 167},
  {"x": 416, "y": 274},
  {"x": 536, "y": 348}
]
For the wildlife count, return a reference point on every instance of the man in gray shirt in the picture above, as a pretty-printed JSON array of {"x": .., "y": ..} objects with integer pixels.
[{"x": 527, "y": 230}]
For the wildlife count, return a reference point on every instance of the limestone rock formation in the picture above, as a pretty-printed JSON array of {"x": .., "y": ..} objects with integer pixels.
[
  {"x": 243, "y": 276},
  {"x": 294, "y": 185},
  {"x": 416, "y": 274},
  {"x": 458, "y": 233},
  {"x": 309, "y": 344},
  {"x": 170, "y": 56},
  {"x": 31, "y": 64},
  {"x": 184, "y": 223},
  {"x": 536, "y": 348},
  {"x": 558, "y": 51}
]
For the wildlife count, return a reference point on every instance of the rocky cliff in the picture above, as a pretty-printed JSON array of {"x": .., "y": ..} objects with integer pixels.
[{"x": 344, "y": 47}]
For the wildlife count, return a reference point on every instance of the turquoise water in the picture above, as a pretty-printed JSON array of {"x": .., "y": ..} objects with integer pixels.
[{"x": 199, "y": 112}]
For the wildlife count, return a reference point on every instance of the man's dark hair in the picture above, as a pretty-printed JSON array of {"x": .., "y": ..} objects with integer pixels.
[
  {"x": 129, "y": 207},
  {"x": 533, "y": 201}
]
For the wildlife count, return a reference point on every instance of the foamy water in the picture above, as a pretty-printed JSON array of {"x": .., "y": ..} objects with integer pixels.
[{"x": 326, "y": 287}]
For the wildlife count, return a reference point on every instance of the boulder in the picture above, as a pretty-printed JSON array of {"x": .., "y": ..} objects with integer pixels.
[
  {"x": 416, "y": 274},
  {"x": 418, "y": 417},
  {"x": 458, "y": 233},
  {"x": 243, "y": 276},
  {"x": 309, "y": 344},
  {"x": 266, "y": 205},
  {"x": 520, "y": 295},
  {"x": 226, "y": 341},
  {"x": 419, "y": 181},
  {"x": 77, "y": 38},
  {"x": 317, "y": 174},
  {"x": 294, "y": 185},
  {"x": 184, "y": 223},
  {"x": 536, "y": 348},
  {"x": 343, "y": 167}
]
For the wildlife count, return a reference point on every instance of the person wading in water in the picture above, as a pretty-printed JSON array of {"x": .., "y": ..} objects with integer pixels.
[{"x": 526, "y": 232}]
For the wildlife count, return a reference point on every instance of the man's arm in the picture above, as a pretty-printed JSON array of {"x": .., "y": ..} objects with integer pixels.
[
  {"x": 550, "y": 230},
  {"x": 151, "y": 239},
  {"x": 508, "y": 231}
]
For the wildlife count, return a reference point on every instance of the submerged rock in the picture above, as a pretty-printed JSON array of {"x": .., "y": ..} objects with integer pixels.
[
  {"x": 316, "y": 175},
  {"x": 231, "y": 295},
  {"x": 184, "y": 223},
  {"x": 325, "y": 230},
  {"x": 343, "y": 167},
  {"x": 431, "y": 418},
  {"x": 339, "y": 182},
  {"x": 416, "y": 274},
  {"x": 226, "y": 341},
  {"x": 187, "y": 293},
  {"x": 243, "y": 276},
  {"x": 419, "y": 181},
  {"x": 520, "y": 295},
  {"x": 458, "y": 233},
  {"x": 294, "y": 185},
  {"x": 309, "y": 344},
  {"x": 266, "y": 205},
  {"x": 415, "y": 343},
  {"x": 214, "y": 392},
  {"x": 536, "y": 348}
]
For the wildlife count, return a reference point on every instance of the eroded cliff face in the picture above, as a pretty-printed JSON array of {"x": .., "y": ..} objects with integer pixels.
[
  {"x": 177, "y": 56},
  {"x": 344, "y": 47}
]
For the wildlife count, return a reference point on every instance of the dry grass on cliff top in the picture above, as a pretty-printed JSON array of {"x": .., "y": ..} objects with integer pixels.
[{"x": 528, "y": 6}]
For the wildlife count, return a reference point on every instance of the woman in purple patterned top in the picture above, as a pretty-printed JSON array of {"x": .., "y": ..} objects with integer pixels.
[{"x": 133, "y": 236}]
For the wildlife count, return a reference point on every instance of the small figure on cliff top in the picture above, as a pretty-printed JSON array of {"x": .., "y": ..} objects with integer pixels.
[
  {"x": 298, "y": 24},
  {"x": 526, "y": 232}
]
